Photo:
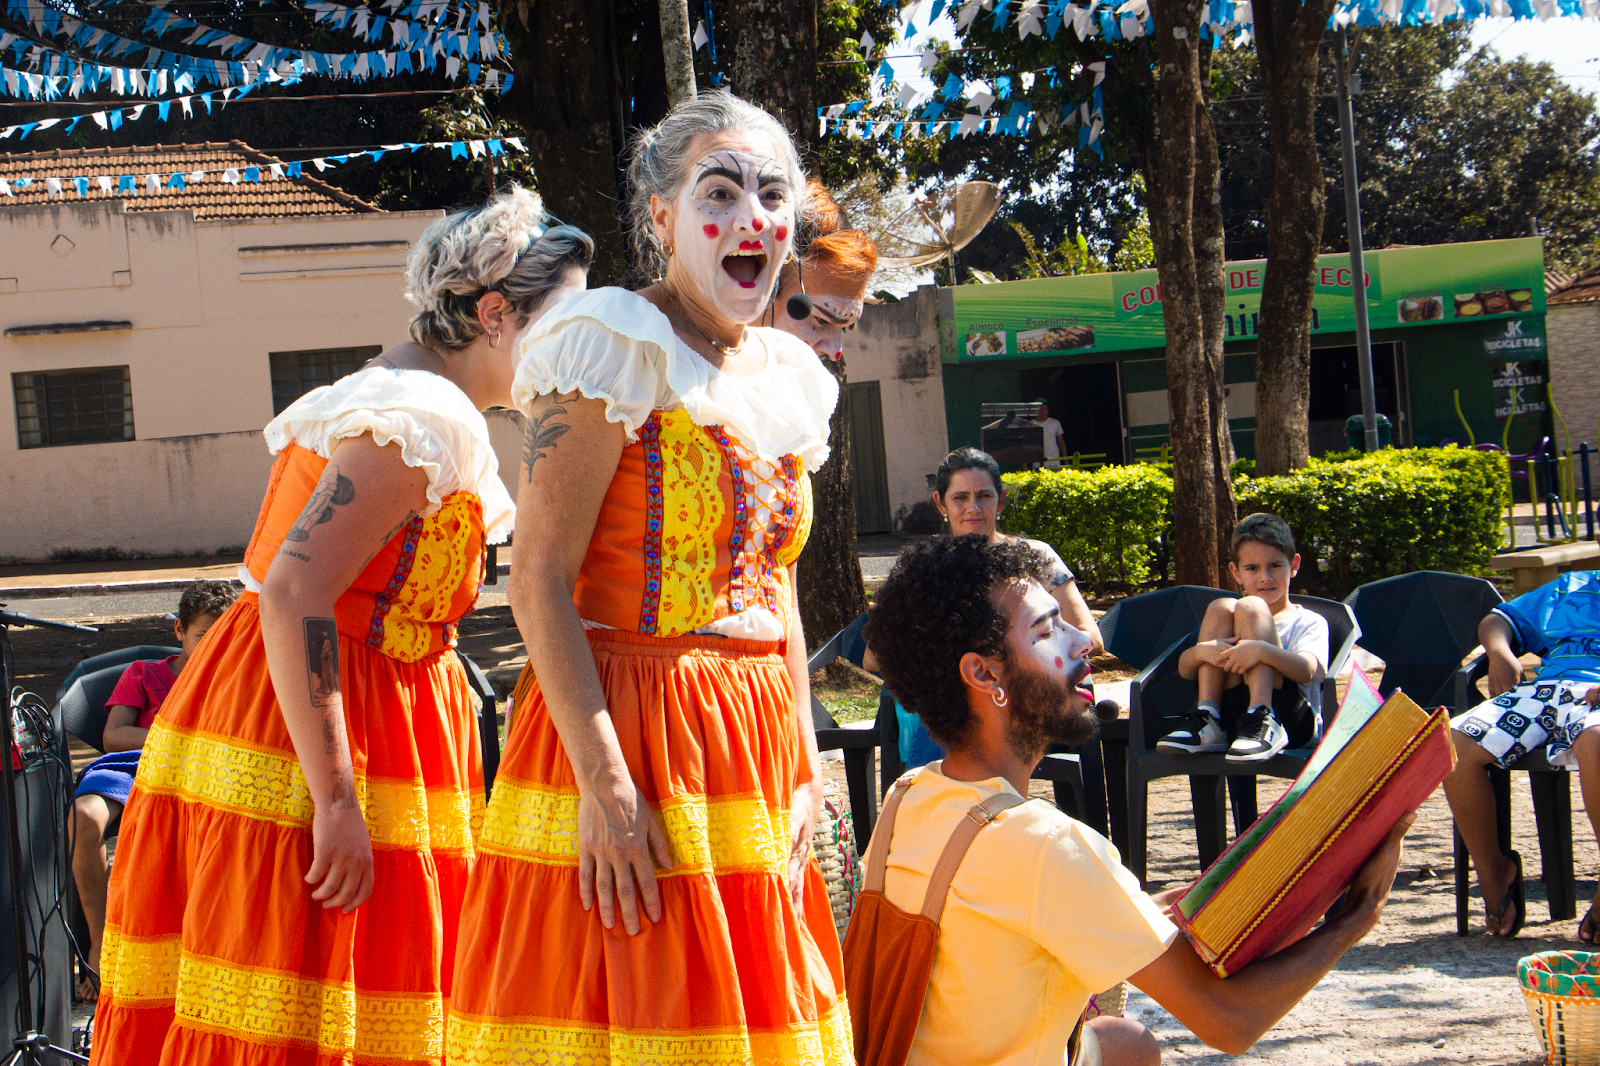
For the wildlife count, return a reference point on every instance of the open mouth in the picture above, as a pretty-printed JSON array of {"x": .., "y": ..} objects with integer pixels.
[
  {"x": 745, "y": 266},
  {"x": 1082, "y": 681}
]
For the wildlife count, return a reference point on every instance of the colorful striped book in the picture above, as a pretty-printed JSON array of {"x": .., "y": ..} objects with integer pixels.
[{"x": 1379, "y": 759}]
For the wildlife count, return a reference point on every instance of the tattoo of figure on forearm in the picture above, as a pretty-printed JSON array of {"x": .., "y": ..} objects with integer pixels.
[
  {"x": 543, "y": 433},
  {"x": 331, "y": 492},
  {"x": 322, "y": 663}
]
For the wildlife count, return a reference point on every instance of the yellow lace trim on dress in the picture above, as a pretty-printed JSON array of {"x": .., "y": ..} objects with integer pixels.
[
  {"x": 275, "y": 1007},
  {"x": 691, "y": 511},
  {"x": 729, "y": 834},
  {"x": 437, "y": 563},
  {"x": 139, "y": 971},
  {"x": 268, "y": 784},
  {"x": 480, "y": 1041}
]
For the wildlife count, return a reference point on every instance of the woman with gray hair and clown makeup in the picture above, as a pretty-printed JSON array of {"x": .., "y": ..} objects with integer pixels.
[
  {"x": 298, "y": 840},
  {"x": 645, "y": 887}
]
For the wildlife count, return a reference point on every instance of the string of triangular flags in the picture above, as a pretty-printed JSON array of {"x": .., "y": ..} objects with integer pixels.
[
  {"x": 60, "y": 74},
  {"x": 421, "y": 46},
  {"x": 154, "y": 184},
  {"x": 944, "y": 111},
  {"x": 1231, "y": 20}
]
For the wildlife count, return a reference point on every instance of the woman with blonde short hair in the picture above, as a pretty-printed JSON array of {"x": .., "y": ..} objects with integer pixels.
[
  {"x": 294, "y": 851},
  {"x": 645, "y": 889}
]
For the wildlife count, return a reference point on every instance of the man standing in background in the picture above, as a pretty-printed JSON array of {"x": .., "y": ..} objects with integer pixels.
[{"x": 1055, "y": 442}]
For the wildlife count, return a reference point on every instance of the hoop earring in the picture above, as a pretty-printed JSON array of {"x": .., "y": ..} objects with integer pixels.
[
  {"x": 1000, "y": 698},
  {"x": 494, "y": 338}
]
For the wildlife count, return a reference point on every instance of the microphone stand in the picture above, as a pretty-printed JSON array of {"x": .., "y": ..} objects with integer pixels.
[{"x": 31, "y": 1045}]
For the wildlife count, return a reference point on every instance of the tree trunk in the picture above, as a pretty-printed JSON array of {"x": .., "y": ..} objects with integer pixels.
[
  {"x": 774, "y": 60},
  {"x": 677, "y": 50},
  {"x": 1172, "y": 170},
  {"x": 1288, "y": 33},
  {"x": 567, "y": 95},
  {"x": 831, "y": 591},
  {"x": 1212, "y": 282}
]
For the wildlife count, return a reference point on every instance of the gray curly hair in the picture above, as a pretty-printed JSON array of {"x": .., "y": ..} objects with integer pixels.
[
  {"x": 505, "y": 246},
  {"x": 658, "y": 163}
]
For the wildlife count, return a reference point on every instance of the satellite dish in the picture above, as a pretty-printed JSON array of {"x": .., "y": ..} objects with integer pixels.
[{"x": 934, "y": 229}]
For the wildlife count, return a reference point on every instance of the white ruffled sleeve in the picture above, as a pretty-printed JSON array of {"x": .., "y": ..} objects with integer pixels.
[
  {"x": 436, "y": 426},
  {"x": 605, "y": 344}
]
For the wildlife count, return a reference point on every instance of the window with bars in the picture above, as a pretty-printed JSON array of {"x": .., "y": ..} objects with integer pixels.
[
  {"x": 296, "y": 373},
  {"x": 87, "y": 405}
]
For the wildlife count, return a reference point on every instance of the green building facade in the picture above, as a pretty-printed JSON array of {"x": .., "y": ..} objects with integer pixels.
[{"x": 1458, "y": 339}]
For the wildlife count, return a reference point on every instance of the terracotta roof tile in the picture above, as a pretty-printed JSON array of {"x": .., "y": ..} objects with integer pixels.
[
  {"x": 1581, "y": 289},
  {"x": 210, "y": 199}
]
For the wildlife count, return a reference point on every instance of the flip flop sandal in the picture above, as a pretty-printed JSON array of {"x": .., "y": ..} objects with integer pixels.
[
  {"x": 1515, "y": 896},
  {"x": 1592, "y": 925}
]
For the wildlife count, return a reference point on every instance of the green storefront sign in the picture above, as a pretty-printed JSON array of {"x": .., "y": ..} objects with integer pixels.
[{"x": 1406, "y": 287}]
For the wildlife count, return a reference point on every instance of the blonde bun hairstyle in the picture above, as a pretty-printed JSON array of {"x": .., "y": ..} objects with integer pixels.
[{"x": 505, "y": 246}]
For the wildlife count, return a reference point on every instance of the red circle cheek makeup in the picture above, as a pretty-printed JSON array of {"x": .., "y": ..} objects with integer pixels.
[
  {"x": 710, "y": 230},
  {"x": 781, "y": 233}
]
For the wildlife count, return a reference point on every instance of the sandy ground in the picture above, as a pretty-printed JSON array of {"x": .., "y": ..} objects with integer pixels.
[{"x": 1413, "y": 992}]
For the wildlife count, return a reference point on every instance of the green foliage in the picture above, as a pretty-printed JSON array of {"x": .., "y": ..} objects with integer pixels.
[
  {"x": 1395, "y": 511},
  {"x": 1452, "y": 144},
  {"x": 1111, "y": 525},
  {"x": 1357, "y": 517}
]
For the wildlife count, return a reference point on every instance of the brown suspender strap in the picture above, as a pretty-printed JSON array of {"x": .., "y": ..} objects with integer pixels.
[
  {"x": 956, "y": 849},
  {"x": 882, "y": 833}
]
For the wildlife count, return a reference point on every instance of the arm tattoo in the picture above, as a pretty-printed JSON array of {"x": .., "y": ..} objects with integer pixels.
[
  {"x": 329, "y": 493},
  {"x": 322, "y": 665},
  {"x": 543, "y": 432}
]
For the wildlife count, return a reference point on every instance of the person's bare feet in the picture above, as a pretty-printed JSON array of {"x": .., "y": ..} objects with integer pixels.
[{"x": 1496, "y": 886}]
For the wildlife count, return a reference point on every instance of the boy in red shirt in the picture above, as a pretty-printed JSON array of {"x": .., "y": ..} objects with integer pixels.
[{"x": 106, "y": 782}]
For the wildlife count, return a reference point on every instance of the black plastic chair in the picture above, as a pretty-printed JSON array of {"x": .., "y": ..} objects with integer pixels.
[
  {"x": 488, "y": 720},
  {"x": 1422, "y": 625},
  {"x": 1160, "y": 699},
  {"x": 120, "y": 657},
  {"x": 857, "y": 745},
  {"x": 1137, "y": 631},
  {"x": 82, "y": 710}
]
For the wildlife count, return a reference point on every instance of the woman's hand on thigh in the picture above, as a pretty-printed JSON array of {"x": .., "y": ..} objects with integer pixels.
[
  {"x": 620, "y": 842},
  {"x": 804, "y": 810}
]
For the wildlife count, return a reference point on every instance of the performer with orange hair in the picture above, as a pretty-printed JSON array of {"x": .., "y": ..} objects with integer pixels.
[{"x": 832, "y": 273}]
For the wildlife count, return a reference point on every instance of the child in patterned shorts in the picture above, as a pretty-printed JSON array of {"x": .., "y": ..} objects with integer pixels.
[{"x": 1560, "y": 623}]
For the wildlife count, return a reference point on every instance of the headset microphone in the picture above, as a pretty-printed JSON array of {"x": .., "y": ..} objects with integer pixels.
[{"x": 799, "y": 305}]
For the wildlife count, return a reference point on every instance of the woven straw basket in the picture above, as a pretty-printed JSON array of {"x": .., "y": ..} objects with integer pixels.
[
  {"x": 1563, "y": 993},
  {"x": 834, "y": 844}
]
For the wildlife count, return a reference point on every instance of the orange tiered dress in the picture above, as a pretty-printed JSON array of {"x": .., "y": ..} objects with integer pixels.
[
  {"x": 214, "y": 950},
  {"x": 686, "y": 599}
]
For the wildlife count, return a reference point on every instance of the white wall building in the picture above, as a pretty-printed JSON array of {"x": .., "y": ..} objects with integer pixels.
[{"x": 147, "y": 340}]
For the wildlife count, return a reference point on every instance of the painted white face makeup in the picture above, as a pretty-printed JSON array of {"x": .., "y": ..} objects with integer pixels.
[
  {"x": 1058, "y": 647},
  {"x": 733, "y": 227}
]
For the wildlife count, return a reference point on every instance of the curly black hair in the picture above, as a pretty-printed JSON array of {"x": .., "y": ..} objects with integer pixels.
[
  {"x": 936, "y": 606},
  {"x": 203, "y": 598}
]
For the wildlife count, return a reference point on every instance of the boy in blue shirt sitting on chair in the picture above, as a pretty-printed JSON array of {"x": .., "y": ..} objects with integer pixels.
[{"x": 1560, "y": 623}]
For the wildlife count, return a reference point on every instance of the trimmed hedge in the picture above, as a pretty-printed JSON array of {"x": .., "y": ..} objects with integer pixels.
[
  {"x": 1110, "y": 525},
  {"x": 1360, "y": 517},
  {"x": 1357, "y": 517}
]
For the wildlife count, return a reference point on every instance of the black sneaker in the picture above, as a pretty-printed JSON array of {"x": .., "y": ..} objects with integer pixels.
[
  {"x": 1199, "y": 733},
  {"x": 1258, "y": 737}
]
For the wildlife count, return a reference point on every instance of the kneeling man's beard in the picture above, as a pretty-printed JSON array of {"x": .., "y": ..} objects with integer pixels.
[{"x": 1042, "y": 713}]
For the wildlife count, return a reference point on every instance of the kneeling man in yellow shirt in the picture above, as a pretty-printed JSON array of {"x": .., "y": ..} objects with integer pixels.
[{"x": 1042, "y": 913}]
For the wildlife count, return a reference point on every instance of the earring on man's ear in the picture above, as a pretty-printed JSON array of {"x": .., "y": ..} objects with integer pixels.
[
  {"x": 1000, "y": 698},
  {"x": 494, "y": 338}
]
